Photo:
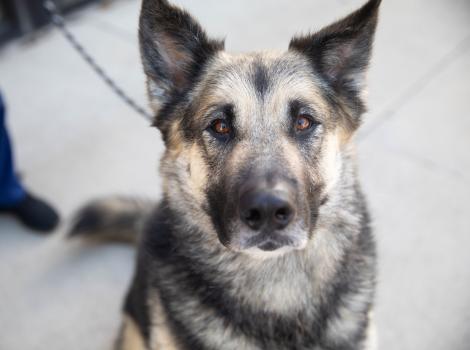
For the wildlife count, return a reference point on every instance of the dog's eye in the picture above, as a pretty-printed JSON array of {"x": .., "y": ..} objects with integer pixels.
[
  {"x": 221, "y": 127},
  {"x": 303, "y": 122}
]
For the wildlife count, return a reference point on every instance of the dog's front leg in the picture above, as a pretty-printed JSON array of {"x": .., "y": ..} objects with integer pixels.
[
  {"x": 371, "y": 339},
  {"x": 129, "y": 337}
]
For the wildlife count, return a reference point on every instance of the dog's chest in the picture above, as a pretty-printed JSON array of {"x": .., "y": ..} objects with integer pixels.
[
  {"x": 225, "y": 305},
  {"x": 232, "y": 327}
]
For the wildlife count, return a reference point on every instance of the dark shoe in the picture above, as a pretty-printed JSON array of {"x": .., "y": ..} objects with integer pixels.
[{"x": 35, "y": 214}]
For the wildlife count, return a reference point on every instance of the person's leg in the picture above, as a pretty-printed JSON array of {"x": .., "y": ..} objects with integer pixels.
[
  {"x": 11, "y": 191},
  {"x": 14, "y": 199}
]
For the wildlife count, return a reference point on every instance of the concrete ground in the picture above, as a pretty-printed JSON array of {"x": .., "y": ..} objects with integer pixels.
[{"x": 75, "y": 140}]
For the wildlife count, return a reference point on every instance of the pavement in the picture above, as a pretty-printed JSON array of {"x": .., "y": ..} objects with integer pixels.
[{"x": 74, "y": 140}]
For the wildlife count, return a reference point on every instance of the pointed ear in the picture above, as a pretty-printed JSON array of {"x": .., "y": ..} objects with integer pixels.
[
  {"x": 340, "y": 53},
  {"x": 174, "y": 50}
]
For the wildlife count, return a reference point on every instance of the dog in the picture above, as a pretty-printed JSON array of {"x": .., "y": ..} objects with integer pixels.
[{"x": 262, "y": 238}]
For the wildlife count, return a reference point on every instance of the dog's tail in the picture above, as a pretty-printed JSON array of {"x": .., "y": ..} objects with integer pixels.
[{"x": 113, "y": 219}]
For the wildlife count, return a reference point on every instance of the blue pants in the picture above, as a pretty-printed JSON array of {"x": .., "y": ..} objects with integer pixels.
[{"x": 11, "y": 191}]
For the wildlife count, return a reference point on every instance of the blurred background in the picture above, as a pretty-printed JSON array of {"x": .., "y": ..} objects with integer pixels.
[{"x": 75, "y": 140}]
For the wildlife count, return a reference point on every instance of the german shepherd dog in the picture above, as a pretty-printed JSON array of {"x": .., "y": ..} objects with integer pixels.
[{"x": 261, "y": 239}]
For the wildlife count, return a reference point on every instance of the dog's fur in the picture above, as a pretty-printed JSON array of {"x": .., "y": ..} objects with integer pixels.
[{"x": 198, "y": 283}]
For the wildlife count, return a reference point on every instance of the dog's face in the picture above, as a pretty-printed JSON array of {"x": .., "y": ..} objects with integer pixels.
[{"x": 254, "y": 142}]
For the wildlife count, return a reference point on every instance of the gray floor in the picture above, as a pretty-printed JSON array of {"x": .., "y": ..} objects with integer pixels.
[{"x": 75, "y": 140}]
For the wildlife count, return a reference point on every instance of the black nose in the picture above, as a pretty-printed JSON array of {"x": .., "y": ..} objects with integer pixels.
[{"x": 266, "y": 209}]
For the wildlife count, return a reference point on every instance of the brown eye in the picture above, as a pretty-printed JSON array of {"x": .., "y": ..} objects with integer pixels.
[
  {"x": 221, "y": 127},
  {"x": 303, "y": 122}
]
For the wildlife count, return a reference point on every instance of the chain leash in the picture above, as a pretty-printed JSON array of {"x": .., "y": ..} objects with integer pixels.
[{"x": 59, "y": 22}]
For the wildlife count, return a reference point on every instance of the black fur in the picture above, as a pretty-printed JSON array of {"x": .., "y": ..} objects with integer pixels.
[
  {"x": 116, "y": 219},
  {"x": 260, "y": 78},
  {"x": 133, "y": 305}
]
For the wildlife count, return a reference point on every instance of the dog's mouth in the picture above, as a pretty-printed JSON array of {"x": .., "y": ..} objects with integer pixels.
[
  {"x": 267, "y": 244},
  {"x": 270, "y": 242},
  {"x": 270, "y": 245}
]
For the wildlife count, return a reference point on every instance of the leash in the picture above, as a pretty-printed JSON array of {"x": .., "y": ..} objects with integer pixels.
[{"x": 59, "y": 22}]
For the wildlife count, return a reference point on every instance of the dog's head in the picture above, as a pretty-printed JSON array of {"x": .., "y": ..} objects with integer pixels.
[{"x": 254, "y": 142}]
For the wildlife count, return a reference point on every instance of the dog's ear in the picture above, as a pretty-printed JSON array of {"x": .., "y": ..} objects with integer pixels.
[
  {"x": 340, "y": 53},
  {"x": 174, "y": 50}
]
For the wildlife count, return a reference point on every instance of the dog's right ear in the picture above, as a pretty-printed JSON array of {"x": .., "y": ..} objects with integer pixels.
[{"x": 174, "y": 50}]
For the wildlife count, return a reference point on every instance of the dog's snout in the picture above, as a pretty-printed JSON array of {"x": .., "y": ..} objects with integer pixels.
[{"x": 266, "y": 208}]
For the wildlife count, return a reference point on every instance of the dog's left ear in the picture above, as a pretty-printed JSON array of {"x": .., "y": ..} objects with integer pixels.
[{"x": 340, "y": 53}]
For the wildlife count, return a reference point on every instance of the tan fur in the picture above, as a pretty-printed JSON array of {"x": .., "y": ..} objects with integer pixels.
[
  {"x": 175, "y": 142},
  {"x": 131, "y": 339},
  {"x": 345, "y": 135},
  {"x": 331, "y": 161},
  {"x": 293, "y": 159},
  {"x": 162, "y": 338},
  {"x": 198, "y": 172},
  {"x": 238, "y": 157}
]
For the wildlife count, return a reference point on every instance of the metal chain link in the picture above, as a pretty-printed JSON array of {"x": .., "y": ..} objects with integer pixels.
[{"x": 59, "y": 21}]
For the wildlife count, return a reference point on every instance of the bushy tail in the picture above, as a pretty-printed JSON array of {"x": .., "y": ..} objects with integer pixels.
[{"x": 115, "y": 219}]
